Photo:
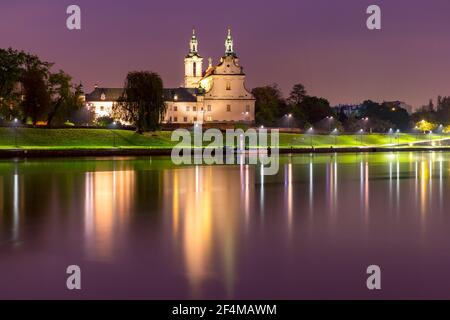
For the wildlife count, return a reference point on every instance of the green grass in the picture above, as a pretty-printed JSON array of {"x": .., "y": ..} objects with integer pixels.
[
  {"x": 367, "y": 140},
  {"x": 28, "y": 138}
]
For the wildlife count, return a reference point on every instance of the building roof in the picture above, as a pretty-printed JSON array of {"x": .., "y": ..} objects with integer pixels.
[
  {"x": 171, "y": 94},
  {"x": 181, "y": 94},
  {"x": 104, "y": 94}
]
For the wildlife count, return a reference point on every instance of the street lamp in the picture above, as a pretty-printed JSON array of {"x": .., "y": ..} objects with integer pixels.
[
  {"x": 390, "y": 132},
  {"x": 310, "y": 132},
  {"x": 335, "y": 132},
  {"x": 289, "y": 116},
  {"x": 113, "y": 125},
  {"x": 398, "y": 137},
  {"x": 361, "y": 135},
  {"x": 15, "y": 123},
  {"x": 330, "y": 121}
]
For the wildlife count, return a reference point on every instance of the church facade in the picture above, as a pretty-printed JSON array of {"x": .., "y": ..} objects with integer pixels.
[{"x": 215, "y": 95}]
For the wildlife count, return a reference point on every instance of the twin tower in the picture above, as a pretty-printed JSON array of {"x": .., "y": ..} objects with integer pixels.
[{"x": 193, "y": 63}]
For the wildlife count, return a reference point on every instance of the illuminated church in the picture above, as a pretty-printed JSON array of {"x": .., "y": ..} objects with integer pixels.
[{"x": 215, "y": 95}]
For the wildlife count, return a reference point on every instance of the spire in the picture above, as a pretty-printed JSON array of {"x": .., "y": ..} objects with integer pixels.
[
  {"x": 193, "y": 44},
  {"x": 229, "y": 50}
]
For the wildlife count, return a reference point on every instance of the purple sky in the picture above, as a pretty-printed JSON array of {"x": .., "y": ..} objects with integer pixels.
[{"x": 323, "y": 44}]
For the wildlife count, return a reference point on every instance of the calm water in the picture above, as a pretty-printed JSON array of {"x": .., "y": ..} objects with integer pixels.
[{"x": 142, "y": 228}]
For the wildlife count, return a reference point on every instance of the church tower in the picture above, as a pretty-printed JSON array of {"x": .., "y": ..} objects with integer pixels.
[
  {"x": 193, "y": 64},
  {"x": 229, "y": 47}
]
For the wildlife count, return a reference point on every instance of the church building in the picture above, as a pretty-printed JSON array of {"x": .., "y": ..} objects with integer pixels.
[{"x": 215, "y": 95}]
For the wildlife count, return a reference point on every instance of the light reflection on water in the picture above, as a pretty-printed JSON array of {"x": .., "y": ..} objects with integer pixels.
[{"x": 143, "y": 228}]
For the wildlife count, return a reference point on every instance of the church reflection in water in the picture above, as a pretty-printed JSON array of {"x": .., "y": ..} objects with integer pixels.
[
  {"x": 205, "y": 217},
  {"x": 107, "y": 210}
]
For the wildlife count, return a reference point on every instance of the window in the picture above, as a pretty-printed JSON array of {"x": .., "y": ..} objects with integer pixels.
[
  {"x": 188, "y": 108},
  {"x": 228, "y": 108},
  {"x": 247, "y": 108},
  {"x": 195, "y": 119},
  {"x": 209, "y": 118},
  {"x": 175, "y": 119},
  {"x": 102, "y": 108},
  {"x": 170, "y": 119},
  {"x": 185, "y": 119},
  {"x": 175, "y": 108},
  {"x": 228, "y": 85},
  {"x": 194, "y": 69},
  {"x": 195, "y": 109},
  {"x": 209, "y": 108}
]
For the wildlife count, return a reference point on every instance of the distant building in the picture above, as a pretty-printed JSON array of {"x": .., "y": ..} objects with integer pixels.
[
  {"x": 348, "y": 109},
  {"x": 101, "y": 100},
  {"x": 217, "y": 94}
]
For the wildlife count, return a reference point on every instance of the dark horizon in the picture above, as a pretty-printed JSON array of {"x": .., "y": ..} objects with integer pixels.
[{"x": 322, "y": 44}]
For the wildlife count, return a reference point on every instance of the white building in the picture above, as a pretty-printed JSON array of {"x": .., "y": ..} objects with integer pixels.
[{"x": 216, "y": 95}]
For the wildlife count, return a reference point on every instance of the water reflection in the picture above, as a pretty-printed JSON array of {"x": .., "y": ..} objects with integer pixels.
[
  {"x": 108, "y": 205},
  {"x": 222, "y": 231}
]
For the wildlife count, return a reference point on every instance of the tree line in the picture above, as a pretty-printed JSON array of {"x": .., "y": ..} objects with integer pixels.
[
  {"x": 32, "y": 93},
  {"x": 304, "y": 111}
]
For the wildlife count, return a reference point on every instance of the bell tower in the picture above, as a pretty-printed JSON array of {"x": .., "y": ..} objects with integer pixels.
[
  {"x": 193, "y": 64},
  {"x": 229, "y": 45}
]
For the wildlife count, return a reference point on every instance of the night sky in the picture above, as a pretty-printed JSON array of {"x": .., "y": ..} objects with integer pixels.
[{"x": 323, "y": 44}]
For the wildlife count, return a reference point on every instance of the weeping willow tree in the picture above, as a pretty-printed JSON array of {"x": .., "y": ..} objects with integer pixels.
[{"x": 142, "y": 102}]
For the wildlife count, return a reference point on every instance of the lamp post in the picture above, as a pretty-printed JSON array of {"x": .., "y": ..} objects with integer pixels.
[
  {"x": 335, "y": 132},
  {"x": 398, "y": 138},
  {"x": 330, "y": 121},
  {"x": 311, "y": 131},
  {"x": 113, "y": 125},
  {"x": 15, "y": 123},
  {"x": 390, "y": 135},
  {"x": 361, "y": 135},
  {"x": 289, "y": 116}
]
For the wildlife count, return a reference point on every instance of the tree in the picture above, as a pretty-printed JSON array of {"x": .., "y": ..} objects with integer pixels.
[
  {"x": 36, "y": 101},
  {"x": 65, "y": 99},
  {"x": 427, "y": 113},
  {"x": 387, "y": 113},
  {"x": 269, "y": 105},
  {"x": 315, "y": 109},
  {"x": 443, "y": 109},
  {"x": 425, "y": 126},
  {"x": 142, "y": 102},
  {"x": 19, "y": 72},
  {"x": 297, "y": 95}
]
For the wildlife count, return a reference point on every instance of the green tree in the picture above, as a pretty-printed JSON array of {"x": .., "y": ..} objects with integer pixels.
[
  {"x": 426, "y": 126},
  {"x": 297, "y": 95},
  {"x": 15, "y": 68},
  {"x": 443, "y": 110},
  {"x": 142, "y": 102},
  {"x": 427, "y": 113},
  {"x": 315, "y": 109},
  {"x": 65, "y": 98},
  {"x": 36, "y": 101},
  {"x": 269, "y": 105}
]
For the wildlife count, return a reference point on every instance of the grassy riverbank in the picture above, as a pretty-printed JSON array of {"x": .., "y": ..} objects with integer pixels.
[{"x": 47, "y": 139}]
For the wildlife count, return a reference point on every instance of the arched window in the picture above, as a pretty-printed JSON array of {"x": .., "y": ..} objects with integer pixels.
[
  {"x": 194, "y": 69},
  {"x": 228, "y": 85}
]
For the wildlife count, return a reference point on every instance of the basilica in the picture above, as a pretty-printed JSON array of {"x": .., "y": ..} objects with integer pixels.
[{"x": 215, "y": 95}]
